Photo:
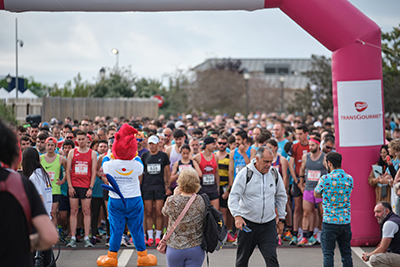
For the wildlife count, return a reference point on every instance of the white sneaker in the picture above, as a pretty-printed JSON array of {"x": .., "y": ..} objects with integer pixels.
[
  {"x": 123, "y": 242},
  {"x": 234, "y": 243}
]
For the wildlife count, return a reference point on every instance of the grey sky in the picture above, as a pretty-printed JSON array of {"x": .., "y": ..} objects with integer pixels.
[{"x": 59, "y": 45}]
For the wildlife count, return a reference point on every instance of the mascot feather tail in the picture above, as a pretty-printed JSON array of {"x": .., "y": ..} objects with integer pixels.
[{"x": 114, "y": 187}]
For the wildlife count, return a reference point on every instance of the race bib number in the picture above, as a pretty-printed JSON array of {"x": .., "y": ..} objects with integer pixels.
[
  {"x": 313, "y": 175},
  {"x": 153, "y": 168},
  {"x": 52, "y": 175},
  {"x": 183, "y": 167},
  {"x": 208, "y": 179},
  {"x": 239, "y": 168},
  {"x": 81, "y": 169}
]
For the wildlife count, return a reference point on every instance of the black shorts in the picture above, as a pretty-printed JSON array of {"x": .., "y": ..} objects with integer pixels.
[
  {"x": 64, "y": 203},
  {"x": 80, "y": 192},
  {"x": 105, "y": 195},
  {"x": 153, "y": 195},
  {"x": 56, "y": 198},
  {"x": 296, "y": 192},
  {"x": 223, "y": 203}
]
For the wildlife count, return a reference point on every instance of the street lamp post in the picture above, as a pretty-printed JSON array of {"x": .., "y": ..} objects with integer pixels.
[
  {"x": 282, "y": 80},
  {"x": 8, "y": 80},
  {"x": 247, "y": 76},
  {"x": 102, "y": 73},
  {"x": 115, "y": 52},
  {"x": 21, "y": 43}
]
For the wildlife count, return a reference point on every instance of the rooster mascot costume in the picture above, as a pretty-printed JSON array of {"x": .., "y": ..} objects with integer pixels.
[{"x": 125, "y": 202}]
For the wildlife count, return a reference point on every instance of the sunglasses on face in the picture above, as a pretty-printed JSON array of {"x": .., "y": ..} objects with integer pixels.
[
  {"x": 167, "y": 135},
  {"x": 85, "y": 124},
  {"x": 68, "y": 137},
  {"x": 222, "y": 143},
  {"x": 329, "y": 147},
  {"x": 139, "y": 140}
]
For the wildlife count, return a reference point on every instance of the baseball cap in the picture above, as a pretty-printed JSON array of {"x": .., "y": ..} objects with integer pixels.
[
  {"x": 153, "y": 139},
  {"x": 52, "y": 139},
  {"x": 208, "y": 140}
]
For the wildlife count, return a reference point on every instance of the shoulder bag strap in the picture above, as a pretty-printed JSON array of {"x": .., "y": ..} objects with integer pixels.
[{"x": 166, "y": 237}]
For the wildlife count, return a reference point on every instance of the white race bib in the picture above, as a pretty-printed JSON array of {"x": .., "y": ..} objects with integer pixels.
[
  {"x": 153, "y": 168},
  {"x": 52, "y": 175},
  {"x": 81, "y": 169},
  {"x": 239, "y": 168},
  {"x": 208, "y": 179},
  {"x": 313, "y": 175}
]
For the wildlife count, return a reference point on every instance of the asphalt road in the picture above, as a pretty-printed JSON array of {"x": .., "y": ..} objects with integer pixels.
[{"x": 287, "y": 256}]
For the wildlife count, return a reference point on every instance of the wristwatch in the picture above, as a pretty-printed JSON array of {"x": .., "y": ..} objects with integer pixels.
[{"x": 91, "y": 187}]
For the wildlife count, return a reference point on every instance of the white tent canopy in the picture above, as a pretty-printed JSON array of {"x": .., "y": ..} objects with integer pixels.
[{"x": 4, "y": 94}]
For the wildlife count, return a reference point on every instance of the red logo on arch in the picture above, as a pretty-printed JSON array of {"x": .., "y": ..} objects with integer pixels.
[{"x": 360, "y": 106}]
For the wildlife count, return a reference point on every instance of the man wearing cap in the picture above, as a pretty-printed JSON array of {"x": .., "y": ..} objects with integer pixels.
[
  {"x": 141, "y": 142},
  {"x": 155, "y": 185},
  {"x": 312, "y": 168},
  {"x": 207, "y": 161},
  {"x": 52, "y": 163}
]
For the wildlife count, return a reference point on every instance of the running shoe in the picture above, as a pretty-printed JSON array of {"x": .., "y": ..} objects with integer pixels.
[
  {"x": 279, "y": 242},
  {"x": 101, "y": 231},
  {"x": 157, "y": 241},
  {"x": 234, "y": 243},
  {"x": 303, "y": 242},
  {"x": 107, "y": 244},
  {"x": 93, "y": 240},
  {"x": 150, "y": 242},
  {"x": 293, "y": 241},
  {"x": 230, "y": 238},
  {"x": 287, "y": 236},
  {"x": 123, "y": 242},
  {"x": 88, "y": 243},
  {"x": 312, "y": 241},
  {"x": 72, "y": 243}
]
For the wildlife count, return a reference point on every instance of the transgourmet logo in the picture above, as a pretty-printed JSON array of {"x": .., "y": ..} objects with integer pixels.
[{"x": 360, "y": 106}]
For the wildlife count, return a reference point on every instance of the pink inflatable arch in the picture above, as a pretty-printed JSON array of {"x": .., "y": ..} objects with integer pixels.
[{"x": 356, "y": 71}]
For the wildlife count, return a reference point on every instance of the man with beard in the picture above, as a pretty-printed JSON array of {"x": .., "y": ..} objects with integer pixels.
[
  {"x": 388, "y": 251},
  {"x": 241, "y": 155},
  {"x": 335, "y": 188},
  {"x": 312, "y": 168}
]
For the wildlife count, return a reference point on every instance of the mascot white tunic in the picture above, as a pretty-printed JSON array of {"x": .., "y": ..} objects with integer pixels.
[{"x": 125, "y": 202}]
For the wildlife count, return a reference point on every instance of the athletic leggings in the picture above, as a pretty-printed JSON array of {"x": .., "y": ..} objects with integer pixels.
[{"x": 190, "y": 257}]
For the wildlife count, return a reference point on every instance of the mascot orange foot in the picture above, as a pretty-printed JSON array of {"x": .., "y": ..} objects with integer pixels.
[
  {"x": 108, "y": 260},
  {"x": 145, "y": 259}
]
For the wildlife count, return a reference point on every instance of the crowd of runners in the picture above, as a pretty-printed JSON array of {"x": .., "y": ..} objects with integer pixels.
[{"x": 217, "y": 147}]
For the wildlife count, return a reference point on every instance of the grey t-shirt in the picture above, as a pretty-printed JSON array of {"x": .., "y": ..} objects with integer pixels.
[{"x": 389, "y": 229}]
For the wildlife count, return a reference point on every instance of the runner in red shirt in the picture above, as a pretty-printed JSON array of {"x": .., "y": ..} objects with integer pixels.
[
  {"x": 81, "y": 175},
  {"x": 296, "y": 155}
]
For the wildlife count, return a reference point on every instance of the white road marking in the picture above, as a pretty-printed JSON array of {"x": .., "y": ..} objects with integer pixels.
[
  {"x": 124, "y": 257},
  {"x": 359, "y": 251}
]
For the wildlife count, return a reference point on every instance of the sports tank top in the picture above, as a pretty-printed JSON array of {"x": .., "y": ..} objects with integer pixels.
[
  {"x": 174, "y": 157},
  {"x": 208, "y": 168},
  {"x": 277, "y": 165},
  {"x": 314, "y": 171},
  {"x": 182, "y": 166},
  {"x": 81, "y": 169},
  {"x": 238, "y": 161},
  {"x": 223, "y": 170},
  {"x": 53, "y": 169}
]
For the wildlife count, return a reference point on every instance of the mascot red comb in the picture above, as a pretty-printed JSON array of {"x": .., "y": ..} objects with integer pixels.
[{"x": 125, "y": 203}]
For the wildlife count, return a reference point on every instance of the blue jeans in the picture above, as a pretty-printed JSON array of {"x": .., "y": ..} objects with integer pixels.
[
  {"x": 340, "y": 233},
  {"x": 190, "y": 257}
]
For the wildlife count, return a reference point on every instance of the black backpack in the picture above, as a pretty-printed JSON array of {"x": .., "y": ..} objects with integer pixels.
[
  {"x": 215, "y": 231},
  {"x": 249, "y": 175}
]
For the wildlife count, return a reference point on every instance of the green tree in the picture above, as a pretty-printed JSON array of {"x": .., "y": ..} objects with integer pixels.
[
  {"x": 391, "y": 69},
  {"x": 176, "y": 98},
  {"x": 317, "y": 97},
  {"x": 148, "y": 87},
  {"x": 7, "y": 114},
  {"x": 116, "y": 83}
]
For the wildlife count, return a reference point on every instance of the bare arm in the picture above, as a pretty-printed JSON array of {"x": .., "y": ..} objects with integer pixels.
[
  {"x": 174, "y": 174},
  {"x": 71, "y": 190},
  {"x": 252, "y": 154},
  {"x": 382, "y": 248},
  {"x": 197, "y": 168},
  {"x": 231, "y": 169},
  {"x": 291, "y": 169},
  {"x": 285, "y": 175},
  {"x": 46, "y": 235}
]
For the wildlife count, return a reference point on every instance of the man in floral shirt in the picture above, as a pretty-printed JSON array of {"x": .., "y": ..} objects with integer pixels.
[{"x": 335, "y": 189}]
